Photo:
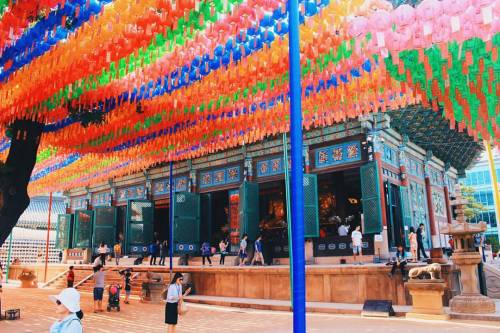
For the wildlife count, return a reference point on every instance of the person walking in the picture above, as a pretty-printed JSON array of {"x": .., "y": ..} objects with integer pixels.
[
  {"x": 117, "y": 249},
  {"x": 420, "y": 241},
  {"x": 128, "y": 286},
  {"x": 98, "y": 287},
  {"x": 412, "y": 237},
  {"x": 357, "y": 244},
  {"x": 103, "y": 250},
  {"x": 399, "y": 263},
  {"x": 153, "y": 251},
  {"x": 257, "y": 256},
  {"x": 163, "y": 253},
  {"x": 243, "y": 250},
  {"x": 69, "y": 312},
  {"x": 223, "y": 251},
  {"x": 206, "y": 253},
  {"x": 70, "y": 278},
  {"x": 174, "y": 301}
]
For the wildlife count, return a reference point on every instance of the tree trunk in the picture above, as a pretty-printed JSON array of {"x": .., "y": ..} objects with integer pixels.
[{"x": 16, "y": 173}]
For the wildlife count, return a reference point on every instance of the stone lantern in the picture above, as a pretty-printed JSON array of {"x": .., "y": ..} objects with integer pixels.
[{"x": 466, "y": 258}]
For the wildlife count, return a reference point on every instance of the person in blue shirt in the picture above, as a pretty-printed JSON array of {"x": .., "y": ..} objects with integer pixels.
[
  {"x": 69, "y": 312},
  {"x": 257, "y": 256},
  {"x": 206, "y": 253},
  {"x": 154, "y": 249}
]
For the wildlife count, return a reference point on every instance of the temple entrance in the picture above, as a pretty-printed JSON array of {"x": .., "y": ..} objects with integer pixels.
[
  {"x": 220, "y": 217},
  {"x": 215, "y": 217},
  {"x": 340, "y": 212},
  {"x": 339, "y": 198},
  {"x": 161, "y": 223},
  {"x": 273, "y": 220},
  {"x": 396, "y": 232},
  {"x": 121, "y": 220}
]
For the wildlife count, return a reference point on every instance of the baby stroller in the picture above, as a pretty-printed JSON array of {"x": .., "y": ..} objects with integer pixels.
[{"x": 114, "y": 297}]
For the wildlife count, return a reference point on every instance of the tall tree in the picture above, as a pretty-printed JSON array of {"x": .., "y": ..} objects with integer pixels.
[{"x": 15, "y": 173}]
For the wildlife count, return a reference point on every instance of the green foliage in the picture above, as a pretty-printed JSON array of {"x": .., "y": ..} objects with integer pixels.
[
  {"x": 473, "y": 207},
  {"x": 493, "y": 241}
]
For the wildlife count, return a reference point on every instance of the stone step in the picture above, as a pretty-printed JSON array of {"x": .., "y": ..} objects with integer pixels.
[{"x": 282, "y": 305}]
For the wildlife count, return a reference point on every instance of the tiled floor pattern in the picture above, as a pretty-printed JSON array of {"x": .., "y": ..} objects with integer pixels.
[{"x": 37, "y": 314}]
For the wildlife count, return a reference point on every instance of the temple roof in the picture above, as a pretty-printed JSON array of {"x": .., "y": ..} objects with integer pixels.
[{"x": 429, "y": 130}]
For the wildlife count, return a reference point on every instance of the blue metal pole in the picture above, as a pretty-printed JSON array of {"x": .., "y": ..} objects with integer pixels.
[
  {"x": 288, "y": 214},
  {"x": 171, "y": 217},
  {"x": 297, "y": 182}
]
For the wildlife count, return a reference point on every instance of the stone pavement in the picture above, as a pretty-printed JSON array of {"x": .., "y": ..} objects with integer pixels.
[{"x": 37, "y": 314}]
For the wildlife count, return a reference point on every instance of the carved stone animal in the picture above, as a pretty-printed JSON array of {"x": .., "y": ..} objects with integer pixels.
[{"x": 434, "y": 270}]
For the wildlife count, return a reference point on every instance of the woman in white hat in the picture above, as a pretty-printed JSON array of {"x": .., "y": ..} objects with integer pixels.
[{"x": 68, "y": 309}]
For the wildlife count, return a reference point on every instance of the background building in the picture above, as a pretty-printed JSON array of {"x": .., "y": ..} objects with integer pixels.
[
  {"x": 478, "y": 177},
  {"x": 29, "y": 236}
]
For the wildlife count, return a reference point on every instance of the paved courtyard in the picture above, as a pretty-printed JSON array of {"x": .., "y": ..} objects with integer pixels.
[{"x": 37, "y": 314}]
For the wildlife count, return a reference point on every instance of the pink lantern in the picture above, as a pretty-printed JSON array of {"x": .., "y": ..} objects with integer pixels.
[
  {"x": 442, "y": 32},
  {"x": 403, "y": 16},
  {"x": 358, "y": 27},
  {"x": 418, "y": 36},
  {"x": 481, "y": 3},
  {"x": 429, "y": 10},
  {"x": 468, "y": 25},
  {"x": 380, "y": 21},
  {"x": 495, "y": 27},
  {"x": 380, "y": 24},
  {"x": 455, "y": 7},
  {"x": 371, "y": 6}
]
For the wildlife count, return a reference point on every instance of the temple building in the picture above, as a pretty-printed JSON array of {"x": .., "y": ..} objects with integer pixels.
[{"x": 387, "y": 172}]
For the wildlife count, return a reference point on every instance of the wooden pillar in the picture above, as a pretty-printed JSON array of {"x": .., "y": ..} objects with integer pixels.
[
  {"x": 402, "y": 163},
  {"x": 435, "y": 240},
  {"x": 430, "y": 207}
]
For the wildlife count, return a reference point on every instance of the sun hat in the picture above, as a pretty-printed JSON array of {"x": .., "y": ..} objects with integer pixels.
[{"x": 69, "y": 297}]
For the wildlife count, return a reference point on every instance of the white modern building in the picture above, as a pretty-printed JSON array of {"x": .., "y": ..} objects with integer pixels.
[
  {"x": 479, "y": 178},
  {"x": 29, "y": 236}
]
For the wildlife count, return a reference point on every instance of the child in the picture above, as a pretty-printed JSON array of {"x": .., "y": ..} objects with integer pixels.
[
  {"x": 117, "y": 249},
  {"x": 70, "y": 277},
  {"x": 128, "y": 287},
  {"x": 243, "y": 250},
  {"x": 223, "y": 251}
]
